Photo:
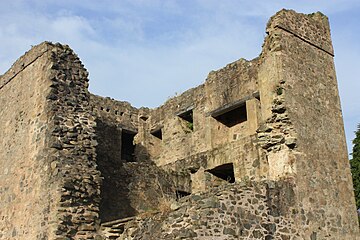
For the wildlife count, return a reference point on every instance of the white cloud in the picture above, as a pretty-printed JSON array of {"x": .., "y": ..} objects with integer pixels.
[{"x": 70, "y": 27}]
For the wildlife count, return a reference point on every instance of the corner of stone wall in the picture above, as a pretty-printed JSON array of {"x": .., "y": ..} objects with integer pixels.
[
  {"x": 71, "y": 148},
  {"x": 297, "y": 58},
  {"x": 24, "y": 188}
]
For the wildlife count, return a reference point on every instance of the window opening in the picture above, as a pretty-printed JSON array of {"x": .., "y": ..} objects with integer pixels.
[
  {"x": 181, "y": 194},
  {"x": 193, "y": 170},
  {"x": 144, "y": 118},
  {"x": 232, "y": 116},
  {"x": 127, "y": 145},
  {"x": 188, "y": 117},
  {"x": 225, "y": 172},
  {"x": 157, "y": 133}
]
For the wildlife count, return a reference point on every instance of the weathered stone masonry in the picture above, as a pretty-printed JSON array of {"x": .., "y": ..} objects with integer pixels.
[{"x": 256, "y": 152}]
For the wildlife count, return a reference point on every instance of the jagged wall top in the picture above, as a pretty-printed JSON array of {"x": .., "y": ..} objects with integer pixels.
[{"x": 312, "y": 28}]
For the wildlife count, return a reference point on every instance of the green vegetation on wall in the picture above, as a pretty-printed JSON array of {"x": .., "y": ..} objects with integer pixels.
[{"x": 355, "y": 166}]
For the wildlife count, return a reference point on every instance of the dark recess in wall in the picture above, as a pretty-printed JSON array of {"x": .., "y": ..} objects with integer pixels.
[
  {"x": 225, "y": 172},
  {"x": 127, "y": 145},
  {"x": 157, "y": 133},
  {"x": 114, "y": 203},
  {"x": 233, "y": 116}
]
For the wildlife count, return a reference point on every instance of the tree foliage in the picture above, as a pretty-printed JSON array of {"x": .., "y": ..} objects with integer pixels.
[{"x": 355, "y": 166}]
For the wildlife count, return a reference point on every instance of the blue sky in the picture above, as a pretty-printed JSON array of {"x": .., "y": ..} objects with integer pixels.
[{"x": 144, "y": 52}]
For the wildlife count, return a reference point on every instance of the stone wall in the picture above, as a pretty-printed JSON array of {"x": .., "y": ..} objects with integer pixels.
[
  {"x": 197, "y": 135},
  {"x": 233, "y": 211},
  {"x": 72, "y": 148},
  {"x": 131, "y": 183},
  {"x": 24, "y": 172},
  {"x": 50, "y": 185},
  {"x": 234, "y": 84},
  {"x": 310, "y": 95},
  {"x": 111, "y": 118}
]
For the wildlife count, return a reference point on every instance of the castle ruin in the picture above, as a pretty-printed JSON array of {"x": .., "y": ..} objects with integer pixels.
[{"x": 256, "y": 152}]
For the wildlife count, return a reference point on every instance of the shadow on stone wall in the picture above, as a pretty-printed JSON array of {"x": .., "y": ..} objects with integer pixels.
[
  {"x": 130, "y": 186},
  {"x": 114, "y": 194}
]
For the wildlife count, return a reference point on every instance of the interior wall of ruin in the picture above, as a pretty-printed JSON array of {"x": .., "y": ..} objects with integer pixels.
[
  {"x": 208, "y": 140},
  {"x": 234, "y": 83},
  {"x": 131, "y": 183}
]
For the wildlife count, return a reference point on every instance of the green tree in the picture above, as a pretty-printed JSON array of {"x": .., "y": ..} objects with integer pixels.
[{"x": 355, "y": 166}]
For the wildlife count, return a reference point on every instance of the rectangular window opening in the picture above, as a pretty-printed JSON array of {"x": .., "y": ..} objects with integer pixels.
[
  {"x": 127, "y": 146},
  {"x": 225, "y": 172},
  {"x": 232, "y": 116},
  {"x": 157, "y": 133},
  {"x": 188, "y": 117}
]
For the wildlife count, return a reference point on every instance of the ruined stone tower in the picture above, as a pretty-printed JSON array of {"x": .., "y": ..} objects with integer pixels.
[{"x": 256, "y": 152}]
